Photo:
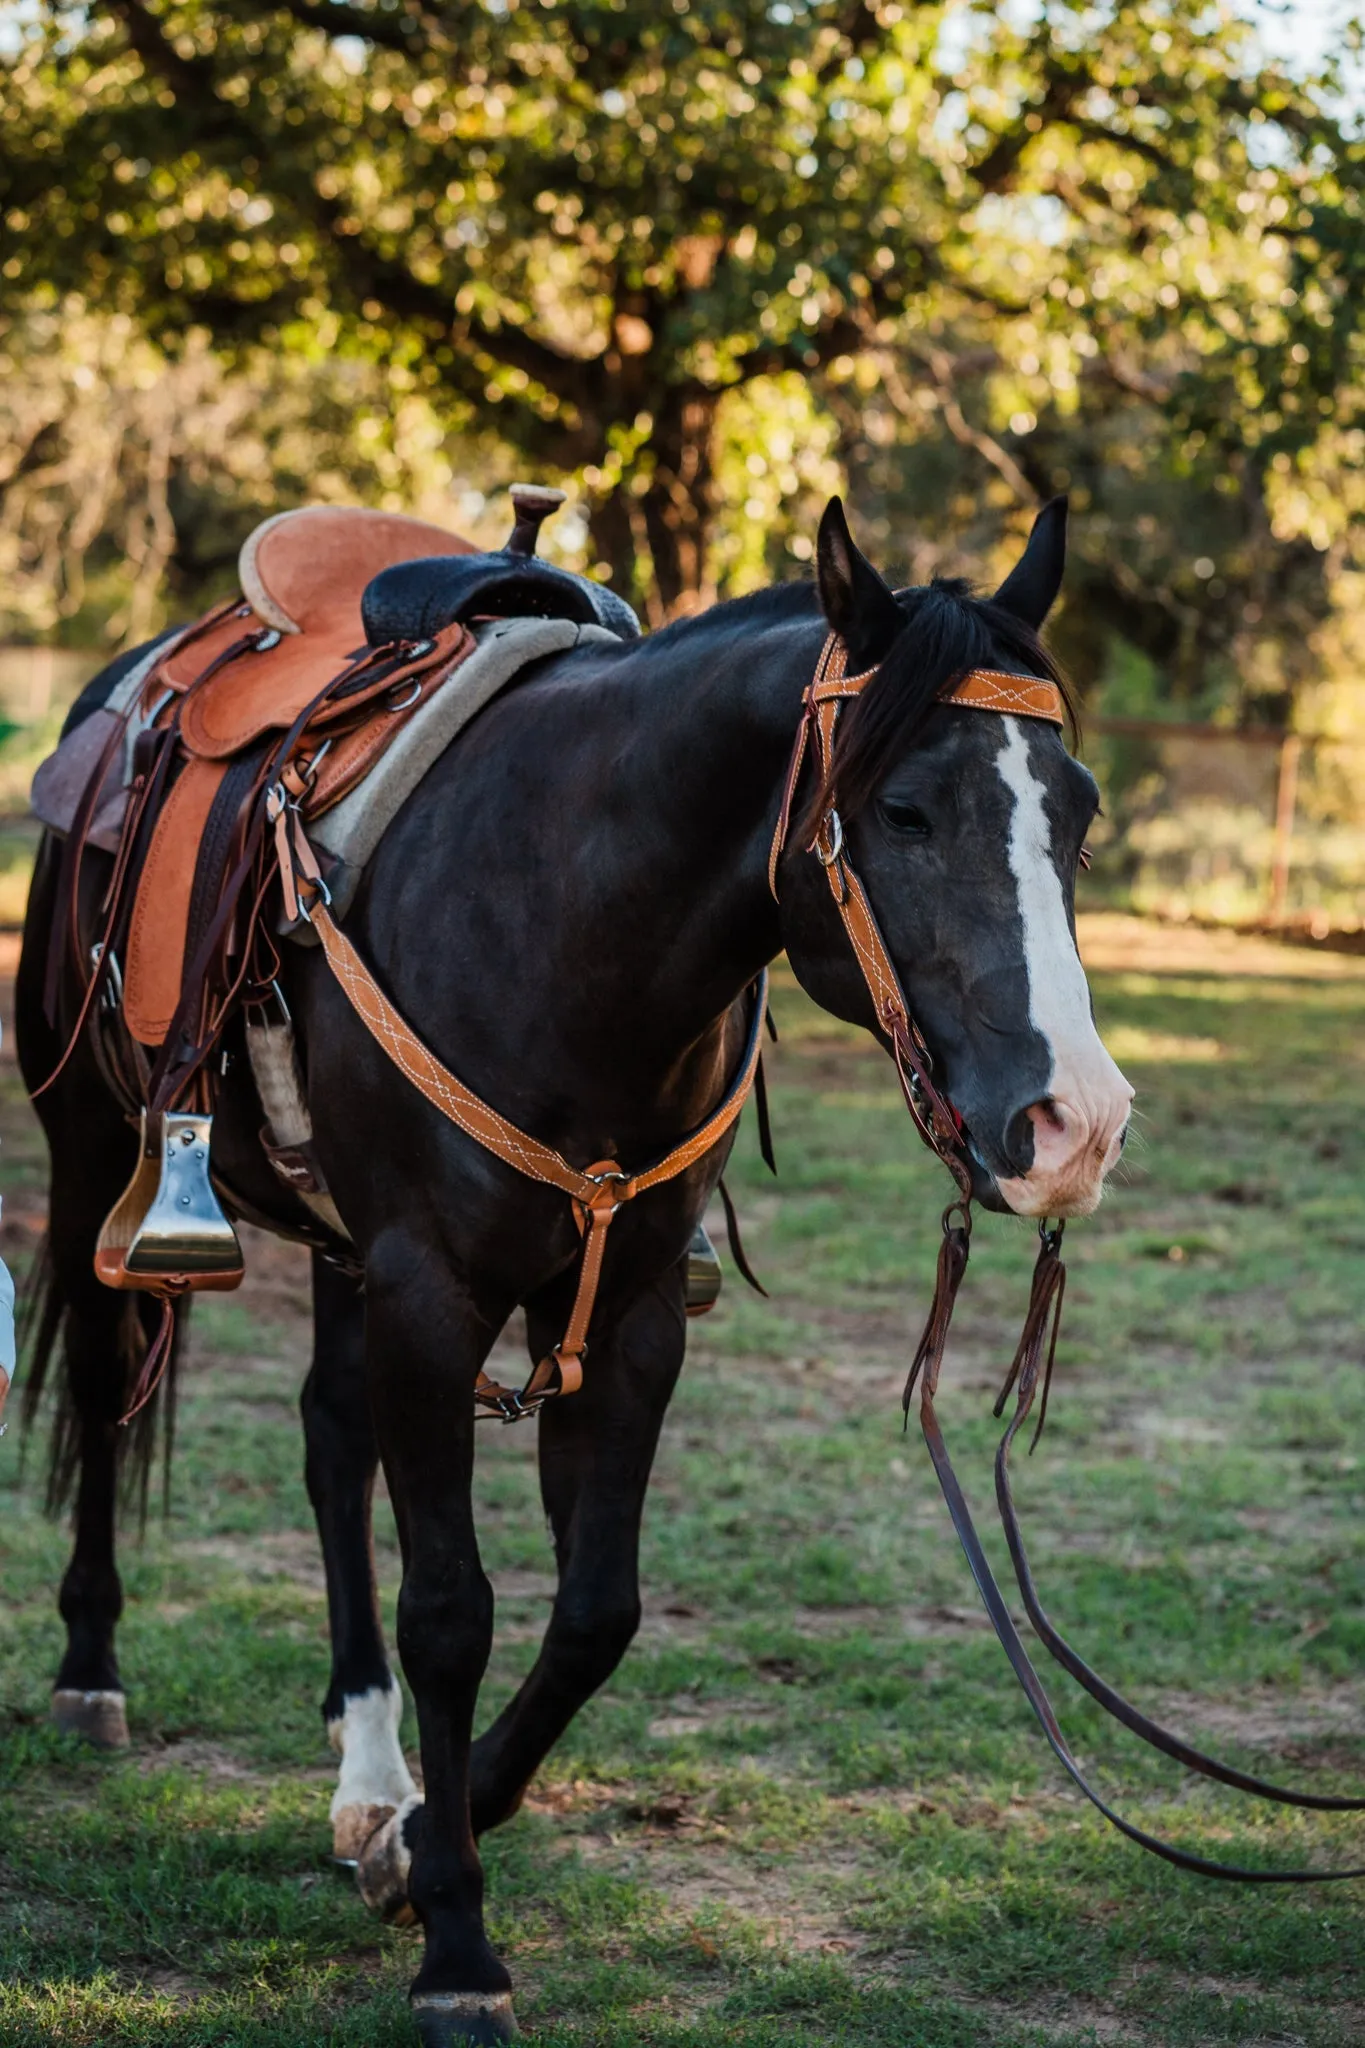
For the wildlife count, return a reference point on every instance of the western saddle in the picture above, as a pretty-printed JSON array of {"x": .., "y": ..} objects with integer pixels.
[{"x": 203, "y": 774}]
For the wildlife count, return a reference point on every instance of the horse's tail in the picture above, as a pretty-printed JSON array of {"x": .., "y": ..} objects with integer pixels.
[{"x": 44, "y": 1353}]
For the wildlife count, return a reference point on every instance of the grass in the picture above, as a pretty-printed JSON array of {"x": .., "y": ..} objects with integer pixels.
[{"x": 811, "y": 1807}]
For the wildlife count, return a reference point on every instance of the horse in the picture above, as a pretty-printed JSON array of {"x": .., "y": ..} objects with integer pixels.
[{"x": 573, "y": 908}]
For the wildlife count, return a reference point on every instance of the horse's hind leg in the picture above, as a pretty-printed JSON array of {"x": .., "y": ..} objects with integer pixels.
[
  {"x": 100, "y": 1341},
  {"x": 596, "y": 1451},
  {"x": 363, "y": 1705}
]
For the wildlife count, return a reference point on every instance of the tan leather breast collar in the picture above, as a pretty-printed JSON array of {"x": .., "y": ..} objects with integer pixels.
[
  {"x": 598, "y": 1192},
  {"x": 937, "y": 1122}
]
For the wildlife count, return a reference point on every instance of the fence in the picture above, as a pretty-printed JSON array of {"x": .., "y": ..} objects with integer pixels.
[{"x": 1240, "y": 824}]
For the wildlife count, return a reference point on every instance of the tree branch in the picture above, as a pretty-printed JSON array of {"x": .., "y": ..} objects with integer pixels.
[
  {"x": 362, "y": 272},
  {"x": 942, "y": 369},
  {"x": 409, "y": 30}
]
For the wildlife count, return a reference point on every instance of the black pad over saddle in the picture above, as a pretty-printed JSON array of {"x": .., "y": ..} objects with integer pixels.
[{"x": 415, "y": 600}]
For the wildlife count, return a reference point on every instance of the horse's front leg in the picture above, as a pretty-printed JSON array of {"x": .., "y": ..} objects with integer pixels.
[
  {"x": 596, "y": 1452},
  {"x": 363, "y": 1706},
  {"x": 426, "y": 1337}
]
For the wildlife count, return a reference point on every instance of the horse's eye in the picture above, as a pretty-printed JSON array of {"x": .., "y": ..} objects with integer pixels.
[{"x": 906, "y": 818}]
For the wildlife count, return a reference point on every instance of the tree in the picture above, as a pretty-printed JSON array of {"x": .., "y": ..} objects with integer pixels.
[
  {"x": 129, "y": 478},
  {"x": 588, "y": 221}
]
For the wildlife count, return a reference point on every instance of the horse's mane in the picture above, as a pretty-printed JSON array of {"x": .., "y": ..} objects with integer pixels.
[{"x": 949, "y": 630}]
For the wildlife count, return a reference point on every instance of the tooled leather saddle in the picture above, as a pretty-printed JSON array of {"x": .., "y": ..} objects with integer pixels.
[{"x": 349, "y": 624}]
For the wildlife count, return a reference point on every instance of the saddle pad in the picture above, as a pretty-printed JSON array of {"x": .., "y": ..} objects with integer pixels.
[
  {"x": 62, "y": 778},
  {"x": 353, "y": 828}
]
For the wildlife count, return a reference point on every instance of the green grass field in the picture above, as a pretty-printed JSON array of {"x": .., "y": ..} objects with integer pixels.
[{"x": 811, "y": 1807}]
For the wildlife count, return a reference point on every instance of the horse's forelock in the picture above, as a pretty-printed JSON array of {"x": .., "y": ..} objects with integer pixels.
[{"x": 948, "y": 632}]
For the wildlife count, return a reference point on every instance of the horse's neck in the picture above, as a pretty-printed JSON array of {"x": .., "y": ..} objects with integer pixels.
[
  {"x": 594, "y": 856},
  {"x": 712, "y": 736}
]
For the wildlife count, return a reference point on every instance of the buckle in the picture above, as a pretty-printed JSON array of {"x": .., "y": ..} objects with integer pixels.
[
  {"x": 319, "y": 889},
  {"x": 836, "y": 832}
]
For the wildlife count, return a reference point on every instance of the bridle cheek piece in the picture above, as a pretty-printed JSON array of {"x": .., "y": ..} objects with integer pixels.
[{"x": 937, "y": 1122}]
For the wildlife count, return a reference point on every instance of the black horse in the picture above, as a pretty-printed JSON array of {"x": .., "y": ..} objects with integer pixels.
[{"x": 570, "y": 910}]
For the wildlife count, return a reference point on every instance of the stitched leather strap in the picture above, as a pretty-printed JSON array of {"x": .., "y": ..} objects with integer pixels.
[
  {"x": 597, "y": 1191},
  {"x": 934, "y": 1117}
]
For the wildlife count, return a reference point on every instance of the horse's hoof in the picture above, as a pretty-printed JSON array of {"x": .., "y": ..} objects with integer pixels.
[
  {"x": 382, "y": 1868},
  {"x": 99, "y": 1718},
  {"x": 464, "y": 2019},
  {"x": 352, "y": 1827}
]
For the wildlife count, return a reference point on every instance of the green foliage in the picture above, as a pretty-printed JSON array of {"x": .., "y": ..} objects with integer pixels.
[{"x": 1112, "y": 248}]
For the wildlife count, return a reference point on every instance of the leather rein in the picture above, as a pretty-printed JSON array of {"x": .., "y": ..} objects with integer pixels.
[{"x": 1030, "y": 1371}]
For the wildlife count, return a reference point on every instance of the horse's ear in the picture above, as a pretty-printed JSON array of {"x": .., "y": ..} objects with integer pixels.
[
  {"x": 1030, "y": 589},
  {"x": 857, "y": 603}
]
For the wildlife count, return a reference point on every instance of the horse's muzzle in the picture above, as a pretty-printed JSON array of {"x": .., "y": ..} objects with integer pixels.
[{"x": 1066, "y": 1151}]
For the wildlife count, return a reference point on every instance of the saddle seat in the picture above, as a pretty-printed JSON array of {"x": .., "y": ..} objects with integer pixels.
[{"x": 303, "y": 576}]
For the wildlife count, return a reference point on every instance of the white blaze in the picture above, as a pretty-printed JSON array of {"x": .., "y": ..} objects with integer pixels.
[{"x": 1077, "y": 1143}]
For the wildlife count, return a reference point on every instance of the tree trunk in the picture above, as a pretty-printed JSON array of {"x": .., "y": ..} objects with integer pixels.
[{"x": 655, "y": 541}]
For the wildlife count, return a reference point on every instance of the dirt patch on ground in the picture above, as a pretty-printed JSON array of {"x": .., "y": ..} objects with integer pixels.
[
  {"x": 276, "y": 1554},
  {"x": 205, "y": 1760},
  {"x": 1112, "y": 943},
  {"x": 1265, "y": 1719}
]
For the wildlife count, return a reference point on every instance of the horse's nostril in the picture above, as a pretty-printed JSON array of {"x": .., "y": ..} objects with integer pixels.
[
  {"x": 1018, "y": 1142},
  {"x": 1123, "y": 1136}
]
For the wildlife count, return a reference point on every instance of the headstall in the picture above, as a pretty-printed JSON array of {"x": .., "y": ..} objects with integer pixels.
[{"x": 832, "y": 687}]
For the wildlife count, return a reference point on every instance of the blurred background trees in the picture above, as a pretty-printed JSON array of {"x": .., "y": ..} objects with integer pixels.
[{"x": 705, "y": 263}]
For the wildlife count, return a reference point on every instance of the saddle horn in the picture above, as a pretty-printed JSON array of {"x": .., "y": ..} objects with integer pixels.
[
  {"x": 414, "y": 600},
  {"x": 533, "y": 505}
]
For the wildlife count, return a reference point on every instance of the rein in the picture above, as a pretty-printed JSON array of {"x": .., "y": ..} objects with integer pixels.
[{"x": 1031, "y": 1368}]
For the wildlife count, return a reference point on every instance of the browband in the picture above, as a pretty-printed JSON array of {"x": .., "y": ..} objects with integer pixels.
[
  {"x": 989, "y": 689},
  {"x": 981, "y": 689}
]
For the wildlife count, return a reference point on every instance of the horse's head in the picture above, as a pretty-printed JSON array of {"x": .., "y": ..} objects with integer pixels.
[{"x": 966, "y": 828}]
